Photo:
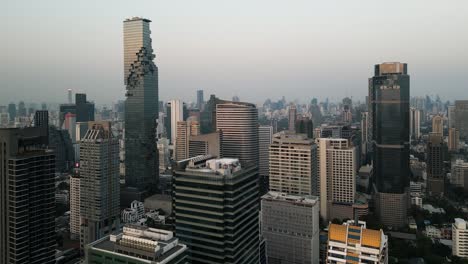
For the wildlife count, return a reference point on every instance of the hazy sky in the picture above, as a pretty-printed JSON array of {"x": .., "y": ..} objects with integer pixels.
[{"x": 253, "y": 49}]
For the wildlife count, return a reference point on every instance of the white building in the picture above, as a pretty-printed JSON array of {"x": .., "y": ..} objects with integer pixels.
[
  {"x": 351, "y": 243},
  {"x": 134, "y": 213},
  {"x": 177, "y": 114},
  {"x": 415, "y": 123},
  {"x": 460, "y": 238},
  {"x": 432, "y": 232}
]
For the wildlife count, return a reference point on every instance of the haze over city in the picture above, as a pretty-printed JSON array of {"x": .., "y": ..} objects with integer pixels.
[{"x": 252, "y": 49}]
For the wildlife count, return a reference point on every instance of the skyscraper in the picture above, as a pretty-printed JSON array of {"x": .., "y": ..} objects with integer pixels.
[
  {"x": 290, "y": 226},
  {"x": 453, "y": 139},
  {"x": 292, "y": 117},
  {"x": 75, "y": 205},
  {"x": 293, "y": 164},
  {"x": 435, "y": 164},
  {"x": 206, "y": 144},
  {"x": 12, "y": 111},
  {"x": 200, "y": 101},
  {"x": 415, "y": 123},
  {"x": 27, "y": 203},
  {"x": 69, "y": 92},
  {"x": 21, "y": 109},
  {"x": 438, "y": 125},
  {"x": 99, "y": 182},
  {"x": 265, "y": 135},
  {"x": 239, "y": 124},
  {"x": 304, "y": 125},
  {"x": 461, "y": 118},
  {"x": 141, "y": 106},
  {"x": 216, "y": 206},
  {"x": 185, "y": 129},
  {"x": 176, "y": 115},
  {"x": 389, "y": 92},
  {"x": 451, "y": 116}
]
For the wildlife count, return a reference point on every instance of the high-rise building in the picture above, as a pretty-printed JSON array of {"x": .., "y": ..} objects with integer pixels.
[
  {"x": 292, "y": 117},
  {"x": 435, "y": 164},
  {"x": 337, "y": 169},
  {"x": 216, "y": 205},
  {"x": 21, "y": 109},
  {"x": 27, "y": 202},
  {"x": 141, "y": 107},
  {"x": 354, "y": 243},
  {"x": 239, "y": 125},
  {"x": 206, "y": 144},
  {"x": 82, "y": 109},
  {"x": 12, "y": 111},
  {"x": 459, "y": 174},
  {"x": 460, "y": 238},
  {"x": 138, "y": 245},
  {"x": 176, "y": 115},
  {"x": 461, "y": 118},
  {"x": 438, "y": 125},
  {"x": 415, "y": 123},
  {"x": 70, "y": 96},
  {"x": 293, "y": 164},
  {"x": 389, "y": 92},
  {"x": 453, "y": 139},
  {"x": 304, "y": 125},
  {"x": 364, "y": 134},
  {"x": 75, "y": 205},
  {"x": 200, "y": 101},
  {"x": 451, "y": 116},
  {"x": 265, "y": 135},
  {"x": 185, "y": 129},
  {"x": 290, "y": 226},
  {"x": 99, "y": 182}
]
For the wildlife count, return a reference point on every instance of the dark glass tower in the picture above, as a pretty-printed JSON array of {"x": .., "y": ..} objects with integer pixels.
[
  {"x": 389, "y": 92},
  {"x": 141, "y": 106}
]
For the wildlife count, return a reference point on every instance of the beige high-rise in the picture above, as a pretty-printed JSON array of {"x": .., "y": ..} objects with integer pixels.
[
  {"x": 185, "y": 129},
  {"x": 438, "y": 125},
  {"x": 293, "y": 164}
]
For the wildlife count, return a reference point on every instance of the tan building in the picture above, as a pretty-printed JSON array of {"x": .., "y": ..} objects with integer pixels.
[
  {"x": 435, "y": 164},
  {"x": 460, "y": 238},
  {"x": 293, "y": 167},
  {"x": 185, "y": 129},
  {"x": 75, "y": 207},
  {"x": 206, "y": 144},
  {"x": 453, "y": 139},
  {"x": 438, "y": 125}
]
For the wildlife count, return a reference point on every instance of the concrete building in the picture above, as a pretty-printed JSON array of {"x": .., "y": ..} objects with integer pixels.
[
  {"x": 415, "y": 123},
  {"x": 239, "y": 125},
  {"x": 389, "y": 95},
  {"x": 451, "y": 116},
  {"x": 138, "y": 245},
  {"x": 75, "y": 223},
  {"x": 293, "y": 164},
  {"x": 337, "y": 174},
  {"x": 185, "y": 129},
  {"x": 435, "y": 164},
  {"x": 99, "y": 183},
  {"x": 459, "y": 174},
  {"x": 206, "y": 144},
  {"x": 216, "y": 205},
  {"x": 200, "y": 101},
  {"x": 304, "y": 125},
  {"x": 292, "y": 117},
  {"x": 460, "y": 238},
  {"x": 135, "y": 212},
  {"x": 354, "y": 243},
  {"x": 453, "y": 139},
  {"x": 176, "y": 115},
  {"x": 27, "y": 202},
  {"x": 461, "y": 118},
  {"x": 438, "y": 125},
  {"x": 141, "y": 109},
  {"x": 265, "y": 135},
  {"x": 290, "y": 226}
]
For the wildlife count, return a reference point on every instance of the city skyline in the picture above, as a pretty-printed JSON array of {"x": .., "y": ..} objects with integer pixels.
[{"x": 297, "y": 49}]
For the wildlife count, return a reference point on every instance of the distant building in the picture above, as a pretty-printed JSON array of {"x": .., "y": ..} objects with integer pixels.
[
  {"x": 185, "y": 129},
  {"x": 75, "y": 206},
  {"x": 200, "y": 101},
  {"x": 438, "y": 125},
  {"x": 435, "y": 164},
  {"x": 290, "y": 226},
  {"x": 292, "y": 117},
  {"x": 99, "y": 182},
  {"x": 137, "y": 245},
  {"x": 293, "y": 164},
  {"x": 461, "y": 118},
  {"x": 134, "y": 213},
  {"x": 354, "y": 243},
  {"x": 304, "y": 125},
  {"x": 415, "y": 123},
  {"x": 265, "y": 135},
  {"x": 176, "y": 115},
  {"x": 460, "y": 238},
  {"x": 216, "y": 204},
  {"x": 453, "y": 139},
  {"x": 459, "y": 174},
  {"x": 206, "y": 144}
]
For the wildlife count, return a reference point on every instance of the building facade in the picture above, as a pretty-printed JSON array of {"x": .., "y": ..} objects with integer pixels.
[
  {"x": 216, "y": 206},
  {"x": 435, "y": 164},
  {"x": 460, "y": 238},
  {"x": 75, "y": 223},
  {"x": 206, "y": 144},
  {"x": 290, "y": 226},
  {"x": 415, "y": 124},
  {"x": 265, "y": 135},
  {"x": 461, "y": 118}
]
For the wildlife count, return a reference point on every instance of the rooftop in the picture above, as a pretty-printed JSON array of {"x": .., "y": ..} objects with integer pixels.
[
  {"x": 296, "y": 199},
  {"x": 136, "y": 19}
]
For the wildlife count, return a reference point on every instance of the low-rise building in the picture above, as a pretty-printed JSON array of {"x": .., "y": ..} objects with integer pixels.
[{"x": 134, "y": 213}]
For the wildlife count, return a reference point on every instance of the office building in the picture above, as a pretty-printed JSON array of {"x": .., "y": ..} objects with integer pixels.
[
  {"x": 27, "y": 203},
  {"x": 460, "y": 238},
  {"x": 135, "y": 212},
  {"x": 82, "y": 109},
  {"x": 206, "y": 144},
  {"x": 41, "y": 119},
  {"x": 21, "y": 109},
  {"x": 453, "y": 139},
  {"x": 176, "y": 115},
  {"x": 200, "y": 101},
  {"x": 389, "y": 91},
  {"x": 12, "y": 111},
  {"x": 292, "y": 117},
  {"x": 461, "y": 118},
  {"x": 216, "y": 205},
  {"x": 239, "y": 124},
  {"x": 354, "y": 243},
  {"x": 75, "y": 223},
  {"x": 337, "y": 170},
  {"x": 141, "y": 108},
  {"x": 438, "y": 125},
  {"x": 265, "y": 135},
  {"x": 336, "y": 131},
  {"x": 138, "y": 245},
  {"x": 60, "y": 142},
  {"x": 459, "y": 174},
  {"x": 164, "y": 156},
  {"x": 70, "y": 95},
  {"x": 185, "y": 129},
  {"x": 304, "y": 125},
  {"x": 364, "y": 133},
  {"x": 451, "y": 116},
  {"x": 99, "y": 183},
  {"x": 293, "y": 164},
  {"x": 435, "y": 164},
  {"x": 415, "y": 123},
  {"x": 290, "y": 226}
]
